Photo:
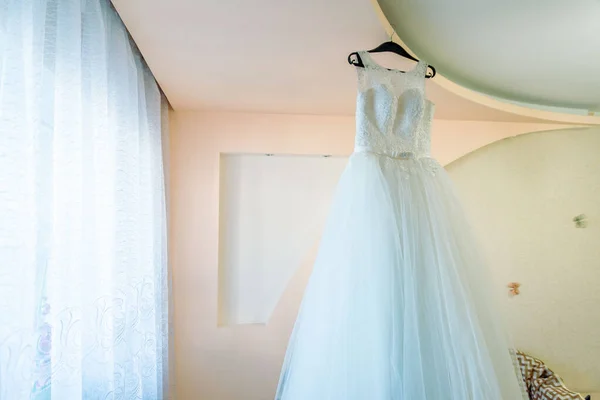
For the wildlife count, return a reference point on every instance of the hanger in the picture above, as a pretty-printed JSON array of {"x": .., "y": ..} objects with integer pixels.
[{"x": 388, "y": 47}]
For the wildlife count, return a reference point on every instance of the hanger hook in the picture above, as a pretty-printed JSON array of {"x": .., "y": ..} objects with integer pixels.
[{"x": 392, "y": 36}]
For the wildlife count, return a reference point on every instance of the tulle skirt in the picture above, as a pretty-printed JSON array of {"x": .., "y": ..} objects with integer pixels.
[{"x": 399, "y": 304}]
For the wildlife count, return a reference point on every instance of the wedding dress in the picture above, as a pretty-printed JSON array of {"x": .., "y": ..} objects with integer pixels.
[{"x": 398, "y": 305}]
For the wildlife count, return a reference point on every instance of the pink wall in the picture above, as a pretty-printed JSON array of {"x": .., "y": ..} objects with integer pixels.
[{"x": 234, "y": 363}]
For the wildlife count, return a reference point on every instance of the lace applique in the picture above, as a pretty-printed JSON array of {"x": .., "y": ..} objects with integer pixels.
[{"x": 393, "y": 115}]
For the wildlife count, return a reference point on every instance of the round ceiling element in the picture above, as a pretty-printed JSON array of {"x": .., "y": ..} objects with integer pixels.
[{"x": 539, "y": 59}]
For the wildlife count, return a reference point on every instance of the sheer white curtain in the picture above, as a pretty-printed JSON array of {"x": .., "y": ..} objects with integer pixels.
[{"x": 83, "y": 274}]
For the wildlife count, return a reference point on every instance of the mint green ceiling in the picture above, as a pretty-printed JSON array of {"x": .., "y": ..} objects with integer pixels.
[{"x": 540, "y": 53}]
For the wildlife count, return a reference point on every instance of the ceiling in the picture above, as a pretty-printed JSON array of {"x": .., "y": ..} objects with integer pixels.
[
  {"x": 540, "y": 53},
  {"x": 271, "y": 56}
]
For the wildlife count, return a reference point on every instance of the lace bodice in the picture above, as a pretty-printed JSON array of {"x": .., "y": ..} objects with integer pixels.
[{"x": 393, "y": 117}]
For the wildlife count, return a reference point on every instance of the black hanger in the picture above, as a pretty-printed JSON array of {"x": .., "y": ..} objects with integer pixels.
[{"x": 389, "y": 47}]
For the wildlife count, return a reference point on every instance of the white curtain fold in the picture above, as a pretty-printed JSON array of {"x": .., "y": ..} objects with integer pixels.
[{"x": 84, "y": 282}]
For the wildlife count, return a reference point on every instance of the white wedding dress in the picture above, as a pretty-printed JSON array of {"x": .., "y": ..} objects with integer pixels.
[{"x": 398, "y": 305}]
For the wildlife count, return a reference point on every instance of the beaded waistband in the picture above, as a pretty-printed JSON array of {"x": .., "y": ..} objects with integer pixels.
[{"x": 403, "y": 155}]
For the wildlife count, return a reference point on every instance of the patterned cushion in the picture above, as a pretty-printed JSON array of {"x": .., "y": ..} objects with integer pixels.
[{"x": 542, "y": 383}]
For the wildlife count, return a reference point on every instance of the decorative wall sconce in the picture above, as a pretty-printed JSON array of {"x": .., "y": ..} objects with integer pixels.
[
  {"x": 514, "y": 288},
  {"x": 580, "y": 221}
]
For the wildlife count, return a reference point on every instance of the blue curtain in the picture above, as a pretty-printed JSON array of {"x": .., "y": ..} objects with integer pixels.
[{"x": 84, "y": 282}]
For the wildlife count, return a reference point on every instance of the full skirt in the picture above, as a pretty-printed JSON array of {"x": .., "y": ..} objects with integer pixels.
[{"x": 399, "y": 304}]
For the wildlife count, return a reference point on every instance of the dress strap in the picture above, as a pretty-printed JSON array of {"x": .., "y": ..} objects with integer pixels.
[
  {"x": 366, "y": 59},
  {"x": 421, "y": 68}
]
